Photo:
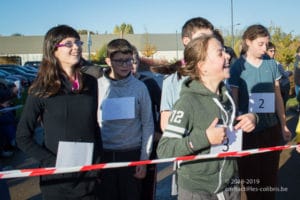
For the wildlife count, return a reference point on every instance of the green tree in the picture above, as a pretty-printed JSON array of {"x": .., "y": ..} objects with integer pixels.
[
  {"x": 237, "y": 40},
  {"x": 100, "y": 55},
  {"x": 148, "y": 48},
  {"x": 123, "y": 29},
  {"x": 128, "y": 29},
  {"x": 85, "y": 32},
  {"x": 17, "y": 34},
  {"x": 286, "y": 45},
  {"x": 117, "y": 30}
]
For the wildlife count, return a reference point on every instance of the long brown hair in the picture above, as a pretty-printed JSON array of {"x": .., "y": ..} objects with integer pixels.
[
  {"x": 50, "y": 74},
  {"x": 168, "y": 68},
  {"x": 194, "y": 52},
  {"x": 251, "y": 33}
]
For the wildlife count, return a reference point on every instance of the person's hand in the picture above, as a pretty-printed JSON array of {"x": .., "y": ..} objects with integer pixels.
[
  {"x": 298, "y": 148},
  {"x": 215, "y": 134},
  {"x": 140, "y": 171},
  {"x": 246, "y": 122},
  {"x": 286, "y": 134}
]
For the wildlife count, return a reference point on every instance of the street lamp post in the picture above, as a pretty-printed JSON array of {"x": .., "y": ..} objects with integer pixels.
[
  {"x": 232, "y": 34},
  {"x": 89, "y": 44},
  {"x": 232, "y": 25},
  {"x": 176, "y": 45}
]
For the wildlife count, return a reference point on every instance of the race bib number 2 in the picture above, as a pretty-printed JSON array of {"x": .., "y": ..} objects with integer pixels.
[{"x": 262, "y": 102}]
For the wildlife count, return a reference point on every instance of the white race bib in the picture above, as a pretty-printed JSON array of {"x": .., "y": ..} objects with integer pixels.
[
  {"x": 118, "y": 108},
  {"x": 233, "y": 142},
  {"x": 262, "y": 102},
  {"x": 74, "y": 154}
]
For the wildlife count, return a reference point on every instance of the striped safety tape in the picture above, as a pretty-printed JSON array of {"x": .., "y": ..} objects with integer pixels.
[{"x": 49, "y": 171}]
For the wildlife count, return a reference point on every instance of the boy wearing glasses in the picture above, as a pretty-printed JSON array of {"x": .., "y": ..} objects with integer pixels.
[
  {"x": 126, "y": 122},
  {"x": 284, "y": 80}
]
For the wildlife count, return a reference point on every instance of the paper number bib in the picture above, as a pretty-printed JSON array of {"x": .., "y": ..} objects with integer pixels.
[
  {"x": 118, "y": 108},
  {"x": 233, "y": 142},
  {"x": 262, "y": 102}
]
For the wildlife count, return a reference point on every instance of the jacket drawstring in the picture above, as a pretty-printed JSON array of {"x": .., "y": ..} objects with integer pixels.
[{"x": 228, "y": 122}]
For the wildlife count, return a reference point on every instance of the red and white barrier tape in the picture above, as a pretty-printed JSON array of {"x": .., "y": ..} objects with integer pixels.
[{"x": 49, "y": 171}]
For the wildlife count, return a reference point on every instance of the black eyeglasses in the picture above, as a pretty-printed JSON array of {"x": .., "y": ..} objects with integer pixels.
[
  {"x": 121, "y": 62},
  {"x": 70, "y": 44}
]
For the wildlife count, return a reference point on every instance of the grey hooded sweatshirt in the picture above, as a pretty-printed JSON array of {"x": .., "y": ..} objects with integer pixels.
[{"x": 125, "y": 126}]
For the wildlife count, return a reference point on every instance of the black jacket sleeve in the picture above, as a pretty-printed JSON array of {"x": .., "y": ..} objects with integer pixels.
[{"x": 25, "y": 132}]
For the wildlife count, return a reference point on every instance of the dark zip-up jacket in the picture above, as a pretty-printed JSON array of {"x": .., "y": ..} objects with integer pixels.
[{"x": 67, "y": 116}]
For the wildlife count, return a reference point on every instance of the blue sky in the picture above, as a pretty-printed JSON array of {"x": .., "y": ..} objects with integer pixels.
[{"x": 35, "y": 17}]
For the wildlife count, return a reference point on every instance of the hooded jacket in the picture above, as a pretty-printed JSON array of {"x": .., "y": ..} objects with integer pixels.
[{"x": 186, "y": 135}]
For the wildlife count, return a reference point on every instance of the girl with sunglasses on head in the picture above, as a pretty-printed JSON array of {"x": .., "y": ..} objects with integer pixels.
[{"x": 66, "y": 102}]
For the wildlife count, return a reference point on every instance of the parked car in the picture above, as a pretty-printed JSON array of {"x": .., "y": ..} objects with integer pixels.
[
  {"x": 24, "y": 69},
  {"x": 8, "y": 91},
  {"x": 14, "y": 77},
  {"x": 28, "y": 69},
  {"x": 34, "y": 69},
  {"x": 35, "y": 64},
  {"x": 16, "y": 69}
]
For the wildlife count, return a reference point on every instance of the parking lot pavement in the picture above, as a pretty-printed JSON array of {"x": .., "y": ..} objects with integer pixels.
[
  {"x": 289, "y": 173},
  {"x": 164, "y": 180},
  {"x": 22, "y": 188},
  {"x": 288, "y": 186}
]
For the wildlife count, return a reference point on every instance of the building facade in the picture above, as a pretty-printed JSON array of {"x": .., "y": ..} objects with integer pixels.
[{"x": 29, "y": 48}]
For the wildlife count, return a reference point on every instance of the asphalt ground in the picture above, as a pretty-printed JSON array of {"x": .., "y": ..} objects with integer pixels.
[{"x": 288, "y": 186}]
